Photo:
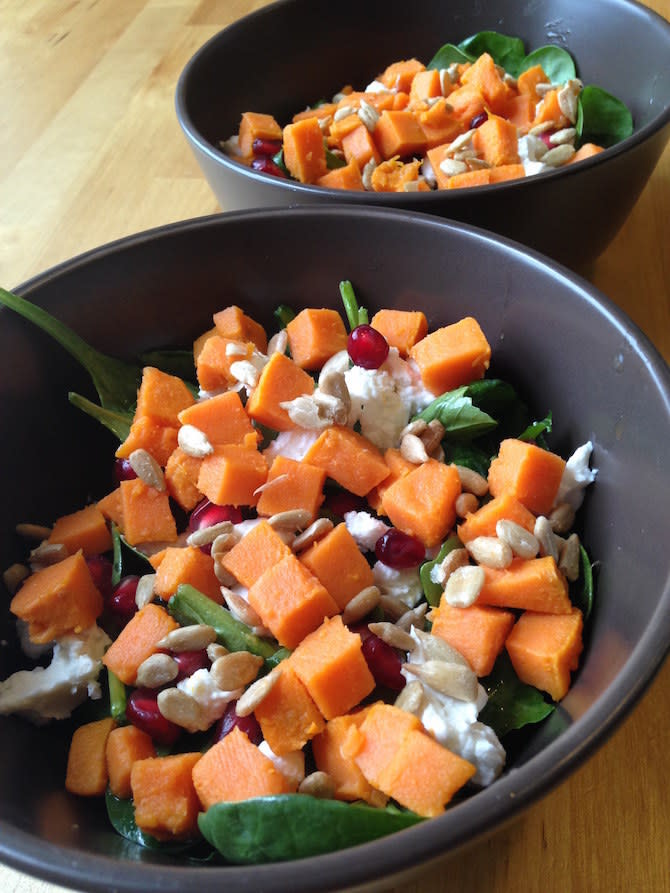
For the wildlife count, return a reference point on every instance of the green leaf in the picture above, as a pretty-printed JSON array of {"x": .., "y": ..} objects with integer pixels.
[
  {"x": 121, "y": 814},
  {"x": 537, "y": 429},
  {"x": 115, "y": 381},
  {"x": 468, "y": 455},
  {"x": 334, "y": 161},
  {"x": 581, "y": 592},
  {"x": 126, "y": 559},
  {"x": 458, "y": 415},
  {"x": 557, "y": 63},
  {"x": 278, "y": 159},
  {"x": 190, "y": 606},
  {"x": 601, "y": 118},
  {"x": 447, "y": 54},
  {"x": 117, "y": 697},
  {"x": 294, "y": 826},
  {"x": 118, "y": 422},
  {"x": 433, "y": 591},
  {"x": 284, "y": 315},
  {"x": 173, "y": 362},
  {"x": 512, "y": 704},
  {"x": 509, "y": 52}
]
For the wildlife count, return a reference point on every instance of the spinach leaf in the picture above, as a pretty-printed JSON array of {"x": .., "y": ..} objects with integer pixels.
[
  {"x": 499, "y": 399},
  {"x": 189, "y": 606},
  {"x": 278, "y": 159},
  {"x": 556, "y": 62},
  {"x": 459, "y": 416},
  {"x": 173, "y": 362},
  {"x": 536, "y": 430},
  {"x": 284, "y": 314},
  {"x": 118, "y": 422},
  {"x": 294, "y": 826},
  {"x": 469, "y": 456},
  {"x": 433, "y": 591},
  {"x": 581, "y": 592},
  {"x": 509, "y": 52},
  {"x": 601, "y": 118},
  {"x": 334, "y": 161},
  {"x": 126, "y": 559},
  {"x": 512, "y": 704},
  {"x": 447, "y": 55},
  {"x": 121, "y": 814},
  {"x": 356, "y": 315}
]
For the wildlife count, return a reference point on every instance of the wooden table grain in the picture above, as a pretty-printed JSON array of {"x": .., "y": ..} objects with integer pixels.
[{"x": 90, "y": 150}]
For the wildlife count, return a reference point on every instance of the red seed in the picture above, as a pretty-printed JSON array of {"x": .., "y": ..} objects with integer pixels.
[
  {"x": 399, "y": 550},
  {"x": 478, "y": 120},
  {"x": 267, "y": 166},
  {"x": 142, "y": 711},
  {"x": 265, "y": 147},
  {"x": 367, "y": 347},
  {"x": 339, "y": 502},
  {"x": 123, "y": 470},
  {"x": 189, "y": 662},
  {"x": 546, "y": 139},
  {"x": 207, "y": 514},
  {"x": 101, "y": 571},
  {"x": 122, "y": 601},
  {"x": 383, "y": 662},
  {"x": 230, "y": 720}
]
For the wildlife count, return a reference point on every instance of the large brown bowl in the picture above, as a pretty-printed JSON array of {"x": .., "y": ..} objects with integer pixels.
[
  {"x": 294, "y": 52},
  {"x": 564, "y": 346}
]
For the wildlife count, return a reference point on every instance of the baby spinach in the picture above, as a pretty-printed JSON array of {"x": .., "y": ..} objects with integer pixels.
[
  {"x": 601, "y": 118},
  {"x": 278, "y": 159},
  {"x": 536, "y": 430},
  {"x": 126, "y": 559},
  {"x": 433, "y": 591},
  {"x": 356, "y": 315},
  {"x": 294, "y": 826},
  {"x": 334, "y": 161},
  {"x": 557, "y": 63},
  {"x": 173, "y": 362},
  {"x": 581, "y": 593},
  {"x": 284, "y": 314},
  {"x": 447, "y": 55},
  {"x": 122, "y": 817},
  {"x": 458, "y": 414},
  {"x": 512, "y": 704},
  {"x": 468, "y": 455},
  {"x": 509, "y": 52},
  {"x": 118, "y": 422}
]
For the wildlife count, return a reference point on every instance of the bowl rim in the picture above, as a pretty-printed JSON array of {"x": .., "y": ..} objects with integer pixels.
[
  {"x": 475, "y": 817},
  {"x": 394, "y": 199}
]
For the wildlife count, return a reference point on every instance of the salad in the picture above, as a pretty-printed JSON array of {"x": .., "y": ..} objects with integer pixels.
[
  {"x": 333, "y": 576},
  {"x": 478, "y": 113}
]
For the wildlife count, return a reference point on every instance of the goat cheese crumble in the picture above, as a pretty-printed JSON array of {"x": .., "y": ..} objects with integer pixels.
[{"x": 577, "y": 475}]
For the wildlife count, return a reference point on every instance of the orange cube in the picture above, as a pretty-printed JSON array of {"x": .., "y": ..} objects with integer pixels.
[
  {"x": 347, "y": 177},
  {"x": 258, "y": 550},
  {"x": 399, "y": 133},
  {"x": 125, "y": 746},
  {"x": 304, "y": 151},
  {"x": 400, "y": 75},
  {"x": 147, "y": 516},
  {"x": 535, "y": 584},
  {"x": 379, "y": 736},
  {"x": 295, "y": 485},
  {"x": 439, "y": 124},
  {"x": 213, "y": 362},
  {"x": 232, "y": 474},
  {"x": 348, "y": 458},
  {"x": 329, "y": 754},
  {"x": 232, "y": 323},
  {"x": 339, "y": 564},
  {"x": 477, "y": 632},
  {"x": 288, "y": 716},
  {"x": 137, "y": 641},
  {"x": 181, "y": 479},
  {"x": 166, "y": 804},
  {"x": 484, "y": 75},
  {"x": 187, "y": 565},
  {"x": 281, "y": 381},
  {"x": 452, "y": 356},
  {"x": 359, "y": 146},
  {"x": 314, "y": 335},
  {"x": 255, "y": 125},
  {"x": 503, "y": 508},
  {"x": 398, "y": 467},
  {"x": 111, "y": 507},
  {"x": 401, "y": 328},
  {"x": 162, "y": 396},
  {"x": 221, "y": 418},
  {"x": 85, "y": 530},
  {"x": 152, "y": 435},
  {"x": 496, "y": 141},
  {"x": 527, "y": 472},
  {"x": 422, "y": 502},
  {"x": 425, "y": 85},
  {"x": 545, "y": 648},
  {"x": 86, "y": 772}
]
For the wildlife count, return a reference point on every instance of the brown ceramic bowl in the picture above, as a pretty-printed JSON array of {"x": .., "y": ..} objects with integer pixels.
[
  {"x": 564, "y": 346},
  {"x": 294, "y": 52}
]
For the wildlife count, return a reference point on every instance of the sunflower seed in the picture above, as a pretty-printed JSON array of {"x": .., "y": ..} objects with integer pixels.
[
  {"x": 564, "y": 135},
  {"x": 509, "y": 79},
  {"x": 361, "y": 604},
  {"x": 207, "y": 535},
  {"x": 466, "y": 504},
  {"x": 344, "y": 112},
  {"x": 194, "y": 442},
  {"x": 293, "y": 519},
  {"x": 339, "y": 362},
  {"x": 325, "y": 122},
  {"x": 144, "y": 594},
  {"x": 278, "y": 343},
  {"x": 432, "y": 436},
  {"x": 240, "y": 607},
  {"x": 156, "y": 670},
  {"x": 305, "y": 412},
  {"x": 14, "y": 576},
  {"x": 224, "y": 542},
  {"x": 542, "y": 127},
  {"x": 366, "y": 174},
  {"x": 490, "y": 551},
  {"x": 318, "y": 784},
  {"x": 464, "y": 585},
  {"x": 521, "y": 541},
  {"x": 147, "y": 469},
  {"x": 215, "y": 651},
  {"x": 567, "y": 98},
  {"x": 562, "y": 518},
  {"x": 189, "y": 638},
  {"x": 393, "y": 635},
  {"x": 543, "y": 88},
  {"x": 451, "y": 167},
  {"x": 268, "y": 484},
  {"x": 245, "y": 372},
  {"x": 413, "y": 617},
  {"x": 236, "y": 349},
  {"x": 33, "y": 531},
  {"x": 558, "y": 155},
  {"x": 449, "y": 679},
  {"x": 418, "y": 426},
  {"x": 179, "y": 707},
  {"x": 477, "y": 164},
  {"x": 436, "y": 648},
  {"x": 545, "y": 537},
  {"x": 224, "y": 577},
  {"x": 412, "y": 449},
  {"x": 235, "y": 670},
  {"x": 460, "y": 142},
  {"x": 569, "y": 558},
  {"x": 314, "y": 532},
  {"x": 47, "y": 554},
  {"x": 472, "y": 481},
  {"x": 411, "y": 698},
  {"x": 441, "y": 572},
  {"x": 393, "y": 607},
  {"x": 368, "y": 115},
  {"x": 256, "y": 693},
  {"x": 452, "y": 71}
]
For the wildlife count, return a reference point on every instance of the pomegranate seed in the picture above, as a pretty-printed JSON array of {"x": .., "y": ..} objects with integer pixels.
[
  {"x": 142, "y": 711},
  {"x": 123, "y": 470},
  {"x": 189, "y": 662},
  {"x": 267, "y": 166},
  {"x": 101, "y": 571},
  {"x": 546, "y": 138},
  {"x": 265, "y": 147},
  {"x": 383, "y": 662},
  {"x": 207, "y": 514},
  {"x": 367, "y": 347},
  {"x": 230, "y": 720},
  {"x": 399, "y": 550},
  {"x": 339, "y": 502},
  {"x": 478, "y": 120},
  {"x": 122, "y": 601}
]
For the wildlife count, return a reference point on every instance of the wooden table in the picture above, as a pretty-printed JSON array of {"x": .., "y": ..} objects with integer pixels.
[{"x": 90, "y": 150}]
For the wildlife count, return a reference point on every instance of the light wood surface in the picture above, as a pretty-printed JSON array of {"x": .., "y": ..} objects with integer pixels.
[{"x": 90, "y": 150}]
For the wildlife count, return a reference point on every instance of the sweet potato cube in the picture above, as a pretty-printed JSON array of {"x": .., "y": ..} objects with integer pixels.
[
  {"x": 85, "y": 530},
  {"x": 59, "y": 600},
  {"x": 527, "y": 472},
  {"x": 234, "y": 324},
  {"x": 399, "y": 133},
  {"x": 213, "y": 363},
  {"x": 394, "y": 175},
  {"x": 339, "y": 564},
  {"x": 338, "y": 130},
  {"x": 528, "y": 80},
  {"x": 137, "y": 641},
  {"x": 478, "y": 633},
  {"x": 401, "y": 328},
  {"x": 318, "y": 112},
  {"x": 187, "y": 565},
  {"x": 221, "y": 418},
  {"x": 422, "y": 502},
  {"x": 379, "y": 736},
  {"x": 258, "y": 550},
  {"x": 111, "y": 507},
  {"x": 232, "y": 474},
  {"x": 399, "y": 75},
  {"x": 398, "y": 467},
  {"x": 328, "y": 746},
  {"x": 295, "y": 485},
  {"x": 162, "y": 396},
  {"x": 347, "y": 177},
  {"x": 125, "y": 746},
  {"x": 152, "y": 435},
  {"x": 502, "y": 508},
  {"x": 86, "y": 772},
  {"x": 535, "y": 584},
  {"x": 200, "y": 342},
  {"x": 425, "y": 85},
  {"x": 146, "y": 514},
  {"x": 520, "y": 111},
  {"x": 452, "y": 356},
  {"x": 348, "y": 458},
  {"x": 484, "y": 76},
  {"x": 545, "y": 648},
  {"x": 288, "y": 716},
  {"x": 588, "y": 150},
  {"x": 549, "y": 110},
  {"x": 181, "y": 478},
  {"x": 468, "y": 179},
  {"x": 290, "y": 601},
  {"x": 314, "y": 335},
  {"x": 359, "y": 146},
  {"x": 166, "y": 804},
  {"x": 439, "y": 124},
  {"x": 304, "y": 151},
  {"x": 235, "y": 769},
  {"x": 281, "y": 381},
  {"x": 466, "y": 102},
  {"x": 331, "y": 665},
  {"x": 506, "y": 172},
  {"x": 255, "y": 125},
  {"x": 496, "y": 141}
]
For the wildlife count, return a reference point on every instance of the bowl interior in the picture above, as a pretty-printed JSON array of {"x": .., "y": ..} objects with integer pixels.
[{"x": 564, "y": 347}]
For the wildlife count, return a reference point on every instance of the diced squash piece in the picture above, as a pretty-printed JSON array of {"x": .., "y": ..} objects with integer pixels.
[
  {"x": 235, "y": 769},
  {"x": 436, "y": 155},
  {"x": 181, "y": 478},
  {"x": 548, "y": 109},
  {"x": 425, "y": 85},
  {"x": 528, "y": 80},
  {"x": 146, "y": 514},
  {"x": 327, "y": 747},
  {"x": 234, "y": 324},
  {"x": 468, "y": 179},
  {"x": 496, "y": 141},
  {"x": 421, "y": 503},
  {"x": 200, "y": 342},
  {"x": 394, "y": 175},
  {"x": 545, "y": 648},
  {"x": 503, "y": 508},
  {"x": 290, "y": 601},
  {"x": 348, "y": 458},
  {"x": 150, "y": 434},
  {"x": 588, "y": 150},
  {"x": 379, "y": 736},
  {"x": 304, "y": 151},
  {"x": 221, "y": 418},
  {"x": 255, "y": 125},
  {"x": 125, "y": 746},
  {"x": 359, "y": 146},
  {"x": 478, "y": 633},
  {"x": 401, "y": 328},
  {"x": 292, "y": 485},
  {"x": 157, "y": 557},
  {"x": 86, "y": 772},
  {"x": 318, "y": 111},
  {"x": 166, "y": 803},
  {"x": 399, "y": 75},
  {"x": 86, "y": 530},
  {"x": 59, "y": 600},
  {"x": 527, "y": 472},
  {"x": 288, "y": 716},
  {"x": 314, "y": 335},
  {"x": 440, "y": 124},
  {"x": 399, "y": 133},
  {"x": 452, "y": 356},
  {"x": 213, "y": 363},
  {"x": 535, "y": 584},
  {"x": 521, "y": 111},
  {"x": 331, "y": 665},
  {"x": 347, "y": 177},
  {"x": 338, "y": 563},
  {"x": 484, "y": 76},
  {"x": 466, "y": 102},
  {"x": 339, "y": 129},
  {"x": 506, "y": 172},
  {"x": 162, "y": 396},
  {"x": 398, "y": 467},
  {"x": 187, "y": 565},
  {"x": 111, "y": 507},
  {"x": 281, "y": 381},
  {"x": 232, "y": 474},
  {"x": 137, "y": 641},
  {"x": 258, "y": 550}
]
